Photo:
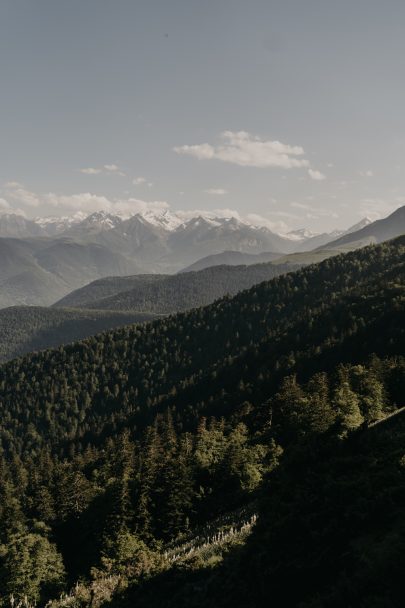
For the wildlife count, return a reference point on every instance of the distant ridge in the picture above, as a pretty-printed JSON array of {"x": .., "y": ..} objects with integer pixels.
[
  {"x": 232, "y": 258},
  {"x": 166, "y": 294},
  {"x": 375, "y": 232}
]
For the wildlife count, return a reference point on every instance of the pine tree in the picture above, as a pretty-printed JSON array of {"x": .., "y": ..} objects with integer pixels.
[
  {"x": 176, "y": 491},
  {"x": 320, "y": 414},
  {"x": 290, "y": 406},
  {"x": 371, "y": 393},
  {"x": 31, "y": 567},
  {"x": 346, "y": 403},
  {"x": 148, "y": 467}
]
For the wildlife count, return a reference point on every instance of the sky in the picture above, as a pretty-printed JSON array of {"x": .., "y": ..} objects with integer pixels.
[{"x": 289, "y": 113}]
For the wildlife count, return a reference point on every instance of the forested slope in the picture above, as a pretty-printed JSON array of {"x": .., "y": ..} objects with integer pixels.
[
  {"x": 302, "y": 321},
  {"x": 25, "y": 329},
  {"x": 167, "y": 294},
  {"x": 330, "y": 530},
  {"x": 117, "y": 445}
]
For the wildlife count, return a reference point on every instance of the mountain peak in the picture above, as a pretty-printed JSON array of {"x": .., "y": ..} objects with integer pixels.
[{"x": 361, "y": 224}]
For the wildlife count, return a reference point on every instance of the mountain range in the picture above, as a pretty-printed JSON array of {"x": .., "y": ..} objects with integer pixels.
[
  {"x": 45, "y": 259},
  {"x": 82, "y": 225}
]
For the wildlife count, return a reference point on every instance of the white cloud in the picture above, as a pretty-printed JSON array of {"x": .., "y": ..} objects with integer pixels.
[
  {"x": 108, "y": 169},
  {"x": 83, "y": 201},
  {"x": 216, "y": 191},
  {"x": 16, "y": 192},
  {"x": 90, "y": 171},
  {"x": 246, "y": 150},
  {"x": 88, "y": 202},
  {"x": 114, "y": 169},
  {"x": 377, "y": 208},
  {"x": 274, "y": 226},
  {"x": 316, "y": 175},
  {"x": 139, "y": 180},
  {"x": 367, "y": 173},
  {"x": 4, "y": 206},
  {"x": 13, "y": 185}
]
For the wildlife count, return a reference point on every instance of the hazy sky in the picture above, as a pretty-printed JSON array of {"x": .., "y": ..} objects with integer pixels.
[{"x": 292, "y": 110}]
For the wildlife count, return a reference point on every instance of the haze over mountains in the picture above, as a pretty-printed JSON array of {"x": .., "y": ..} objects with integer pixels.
[
  {"x": 45, "y": 259},
  {"x": 39, "y": 271}
]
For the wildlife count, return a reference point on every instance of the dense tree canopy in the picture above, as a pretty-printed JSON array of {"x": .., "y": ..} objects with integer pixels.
[{"x": 117, "y": 446}]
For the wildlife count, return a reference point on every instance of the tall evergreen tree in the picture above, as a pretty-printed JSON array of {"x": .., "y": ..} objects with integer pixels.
[{"x": 346, "y": 403}]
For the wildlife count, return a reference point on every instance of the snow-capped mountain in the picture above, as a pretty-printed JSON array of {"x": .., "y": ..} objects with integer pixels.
[
  {"x": 162, "y": 219},
  {"x": 53, "y": 225},
  {"x": 321, "y": 240},
  {"x": 95, "y": 223},
  {"x": 202, "y": 236},
  {"x": 176, "y": 237}
]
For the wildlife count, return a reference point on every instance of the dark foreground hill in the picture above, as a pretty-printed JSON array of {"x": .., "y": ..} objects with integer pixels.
[
  {"x": 25, "y": 329},
  {"x": 330, "y": 532},
  {"x": 119, "y": 450}
]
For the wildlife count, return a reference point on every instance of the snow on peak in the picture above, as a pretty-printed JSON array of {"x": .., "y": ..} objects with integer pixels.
[
  {"x": 54, "y": 225},
  {"x": 162, "y": 219}
]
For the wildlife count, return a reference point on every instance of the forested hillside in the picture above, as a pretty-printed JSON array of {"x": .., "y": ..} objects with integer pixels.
[
  {"x": 165, "y": 294},
  {"x": 330, "y": 529},
  {"x": 25, "y": 329},
  {"x": 116, "y": 448},
  {"x": 116, "y": 301}
]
